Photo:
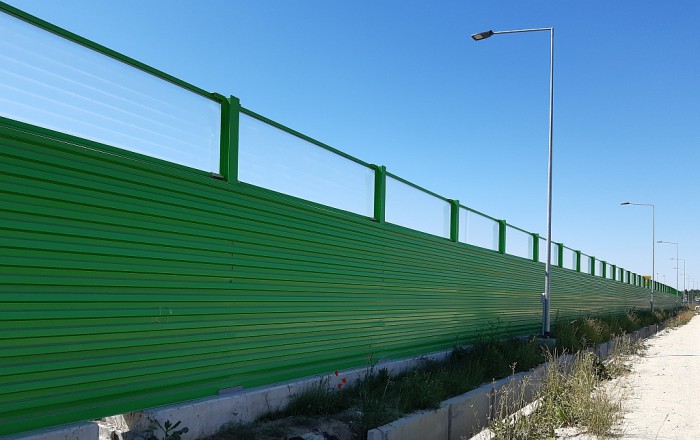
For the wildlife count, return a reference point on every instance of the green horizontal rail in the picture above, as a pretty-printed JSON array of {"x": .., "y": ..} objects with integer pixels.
[
  {"x": 49, "y": 27},
  {"x": 478, "y": 212},
  {"x": 519, "y": 229},
  {"x": 418, "y": 187},
  {"x": 295, "y": 133}
]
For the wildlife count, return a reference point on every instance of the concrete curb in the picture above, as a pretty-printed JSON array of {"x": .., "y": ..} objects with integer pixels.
[
  {"x": 74, "y": 431},
  {"x": 205, "y": 417},
  {"x": 466, "y": 415}
]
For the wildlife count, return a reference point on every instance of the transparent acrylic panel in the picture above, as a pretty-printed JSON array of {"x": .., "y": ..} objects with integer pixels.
[
  {"x": 620, "y": 274},
  {"x": 608, "y": 271},
  {"x": 477, "y": 230},
  {"x": 518, "y": 243},
  {"x": 49, "y": 81},
  {"x": 410, "y": 207},
  {"x": 569, "y": 259},
  {"x": 555, "y": 254},
  {"x": 585, "y": 264},
  {"x": 277, "y": 160},
  {"x": 543, "y": 251},
  {"x": 599, "y": 268}
]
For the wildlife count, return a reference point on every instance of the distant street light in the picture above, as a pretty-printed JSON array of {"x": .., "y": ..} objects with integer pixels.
[
  {"x": 548, "y": 266},
  {"x": 671, "y": 242},
  {"x": 684, "y": 274},
  {"x": 653, "y": 245}
]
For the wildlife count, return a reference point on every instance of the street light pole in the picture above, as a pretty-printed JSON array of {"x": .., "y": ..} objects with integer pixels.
[
  {"x": 653, "y": 245},
  {"x": 671, "y": 242},
  {"x": 684, "y": 274},
  {"x": 548, "y": 265}
]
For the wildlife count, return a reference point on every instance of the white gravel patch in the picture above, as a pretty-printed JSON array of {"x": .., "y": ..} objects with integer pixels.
[{"x": 663, "y": 397}]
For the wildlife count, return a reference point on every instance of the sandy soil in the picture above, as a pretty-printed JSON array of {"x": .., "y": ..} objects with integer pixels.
[{"x": 663, "y": 389}]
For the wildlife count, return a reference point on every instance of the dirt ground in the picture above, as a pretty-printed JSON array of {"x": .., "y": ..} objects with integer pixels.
[
  {"x": 661, "y": 395},
  {"x": 293, "y": 428},
  {"x": 663, "y": 399}
]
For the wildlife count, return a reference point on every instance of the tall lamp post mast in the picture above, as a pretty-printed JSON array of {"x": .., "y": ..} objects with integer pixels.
[
  {"x": 547, "y": 283},
  {"x": 671, "y": 242},
  {"x": 653, "y": 245},
  {"x": 685, "y": 276}
]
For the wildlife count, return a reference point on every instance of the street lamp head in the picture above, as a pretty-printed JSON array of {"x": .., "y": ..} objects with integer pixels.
[{"x": 482, "y": 35}]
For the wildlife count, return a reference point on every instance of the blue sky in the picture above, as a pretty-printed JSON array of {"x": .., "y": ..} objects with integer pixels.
[{"x": 400, "y": 83}]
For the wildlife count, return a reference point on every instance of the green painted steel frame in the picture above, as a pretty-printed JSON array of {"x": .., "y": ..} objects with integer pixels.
[
  {"x": 231, "y": 108},
  {"x": 454, "y": 220},
  {"x": 230, "y": 111},
  {"x": 535, "y": 247},
  {"x": 379, "y": 193}
]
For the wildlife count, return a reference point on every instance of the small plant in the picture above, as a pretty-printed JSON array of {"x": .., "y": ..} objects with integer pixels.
[
  {"x": 621, "y": 350},
  {"x": 167, "y": 431},
  {"x": 682, "y": 318},
  {"x": 318, "y": 399},
  {"x": 341, "y": 380},
  {"x": 565, "y": 398}
]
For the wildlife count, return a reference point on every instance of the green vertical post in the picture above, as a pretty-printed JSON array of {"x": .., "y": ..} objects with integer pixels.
[
  {"x": 379, "y": 193},
  {"x": 536, "y": 247},
  {"x": 592, "y": 266},
  {"x": 614, "y": 272},
  {"x": 560, "y": 254},
  {"x": 578, "y": 261},
  {"x": 454, "y": 220},
  {"x": 502, "y": 236},
  {"x": 228, "y": 160},
  {"x": 604, "y": 268}
]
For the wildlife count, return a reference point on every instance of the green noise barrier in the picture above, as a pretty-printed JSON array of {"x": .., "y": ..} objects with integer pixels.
[
  {"x": 133, "y": 279},
  {"x": 126, "y": 284}
]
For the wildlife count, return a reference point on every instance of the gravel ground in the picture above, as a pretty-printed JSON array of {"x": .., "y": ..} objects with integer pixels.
[{"x": 663, "y": 389}]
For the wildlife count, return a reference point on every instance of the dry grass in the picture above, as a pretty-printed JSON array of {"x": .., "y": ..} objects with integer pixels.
[{"x": 570, "y": 395}]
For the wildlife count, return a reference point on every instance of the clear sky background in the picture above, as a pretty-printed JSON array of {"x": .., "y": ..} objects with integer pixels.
[{"x": 401, "y": 83}]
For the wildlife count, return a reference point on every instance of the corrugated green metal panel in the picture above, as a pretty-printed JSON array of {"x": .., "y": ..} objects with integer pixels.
[{"x": 128, "y": 284}]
